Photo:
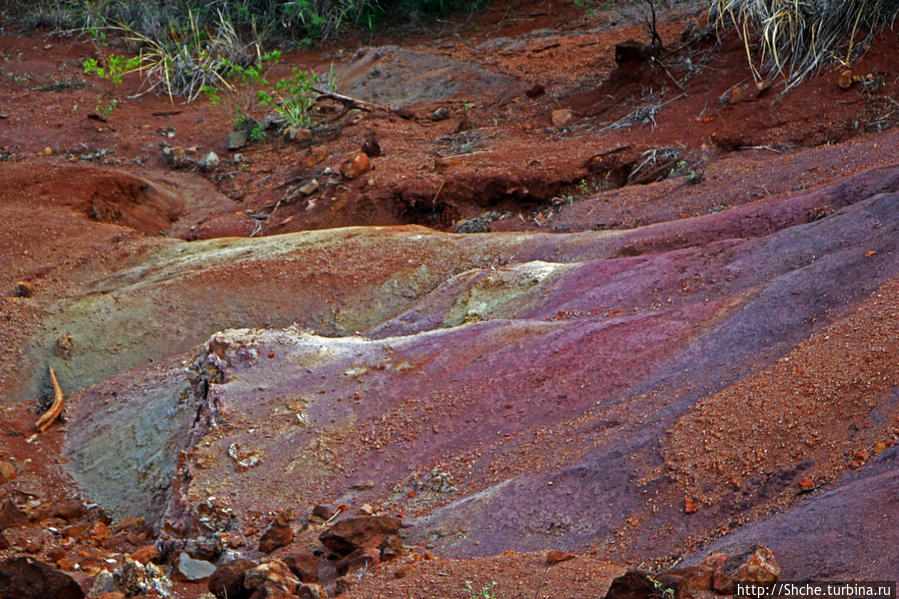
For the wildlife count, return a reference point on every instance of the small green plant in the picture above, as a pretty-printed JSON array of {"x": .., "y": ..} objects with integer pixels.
[
  {"x": 292, "y": 98},
  {"x": 113, "y": 68},
  {"x": 488, "y": 591},
  {"x": 661, "y": 590}
]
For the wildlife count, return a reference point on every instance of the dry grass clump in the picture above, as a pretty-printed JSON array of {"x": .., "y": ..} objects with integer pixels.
[{"x": 795, "y": 37}]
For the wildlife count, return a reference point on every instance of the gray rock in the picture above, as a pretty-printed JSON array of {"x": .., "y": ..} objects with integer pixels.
[{"x": 194, "y": 569}]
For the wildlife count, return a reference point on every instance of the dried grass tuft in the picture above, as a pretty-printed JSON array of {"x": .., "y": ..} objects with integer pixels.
[{"x": 796, "y": 37}]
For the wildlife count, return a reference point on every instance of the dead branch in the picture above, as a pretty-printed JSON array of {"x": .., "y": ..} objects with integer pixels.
[{"x": 47, "y": 418}]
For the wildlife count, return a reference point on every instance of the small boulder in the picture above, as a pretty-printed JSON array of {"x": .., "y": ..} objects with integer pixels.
[
  {"x": 11, "y": 516},
  {"x": 27, "y": 578},
  {"x": 440, "y": 114},
  {"x": 237, "y": 139},
  {"x": 350, "y": 534},
  {"x": 304, "y": 564},
  {"x": 355, "y": 166},
  {"x": 278, "y": 534},
  {"x": 227, "y": 580},
  {"x": 322, "y": 512},
  {"x": 311, "y": 591},
  {"x": 271, "y": 576},
  {"x": 746, "y": 563},
  {"x": 562, "y": 116},
  {"x": 555, "y": 556},
  {"x": 7, "y": 472},
  {"x": 23, "y": 289},
  {"x": 208, "y": 162},
  {"x": 633, "y": 584},
  {"x": 391, "y": 548},
  {"x": 194, "y": 569},
  {"x": 359, "y": 559}
]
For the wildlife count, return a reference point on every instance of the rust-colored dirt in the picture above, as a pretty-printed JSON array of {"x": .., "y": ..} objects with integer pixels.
[{"x": 84, "y": 197}]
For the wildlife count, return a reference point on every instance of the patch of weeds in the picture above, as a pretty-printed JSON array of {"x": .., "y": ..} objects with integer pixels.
[
  {"x": 113, "y": 68},
  {"x": 292, "y": 98},
  {"x": 488, "y": 591}
]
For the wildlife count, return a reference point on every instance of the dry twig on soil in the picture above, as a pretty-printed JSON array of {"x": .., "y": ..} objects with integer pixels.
[{"x": 48, "y": 417}]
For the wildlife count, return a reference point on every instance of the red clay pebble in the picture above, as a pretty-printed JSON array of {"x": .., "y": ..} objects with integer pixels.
[
  {"x": 355, "y": 166},
  {"x": 7, "y": 472},
  {"x": 690, "y": 506},
  {"x": 555, "y": 556}
]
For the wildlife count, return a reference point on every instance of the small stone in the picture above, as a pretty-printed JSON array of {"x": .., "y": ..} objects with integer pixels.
[
  {"x": 404, "y": 571},
  {"x": 322, "y": 511},
  {"x": 535, "y": 90},
  {"x": 273, "y": 575},
  {"x": 23, "y": 289},
  {"x": 365, "y": 510},
  {"x": 690, "y": 506},
  {"x": 104, "y": 583},
  {"x": 278, "y": 534},
  {"x": 847, "y": 78},
  {"x": 311, "y": 591},
  {"x": 227, "y": 580},
  {"x": 391, "y": 548},
  {"x": 355, "y": 166},
  {"x": 359, "y": 559},
  {"x": 205, "y": 548},
  {"x": 7, "y": 472},
  {"x": 194, "y": 569},
  {"x": 28, "y": 578},
  {"x": 561, "y": 117},
  {"x": 371, "y": 147},
  {"x": 806, "y": 483},
  {"x": 631, "y": 51},
  {"x": 46, "y": 151},
  {"x": 146, "y": 554},
  {"x": 298, "y": 134},
  {"x": 175, "y": 156},
  {"x": 309, "y": 187},
  {"x": 209, "y": 161},
  {"x": 11, "y": 516},
  {"x": 350, "y": 534},
  {"x": 304, "y": 564},
  {"x": 237, "y": 139},
  {"x": 746, "y": 563},
  {"x": 440, "y": 114},
  {"x": 633, "y": 584},
  {"x": 555, "y": 556}
]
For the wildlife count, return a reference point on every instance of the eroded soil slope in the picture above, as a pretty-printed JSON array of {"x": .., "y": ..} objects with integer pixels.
[{"x": 627, "y": 310}]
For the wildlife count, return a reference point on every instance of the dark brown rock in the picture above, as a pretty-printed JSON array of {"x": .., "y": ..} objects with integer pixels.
[
  {"x": 391, "y": 548},
  {"x": 535, "y": 90},
  {"x": 359, "y": 559},
  {"x": 278, "y": 534},
  {"x": 631, "y": 51},
  {"x": 633, "y": 584},
  {"x": 271, "y": 577},
  {"x": 304, "y": 564},
  {"x": 750, "y": 563},
  {"x": 311, "y": 591},
  {"x": 27, "y": 578},
  {"x": 227, "y": 581},
  {"x": 350, "y": 534},
  {"x": 322, "y": 511},
  {"x": 204, "y": 548},
  {"x": 4, "y": 542},
  {"x": 23, "y": 289},
  {"x": 11, "y": 515},
  {"x": 70, "y": 509}
]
